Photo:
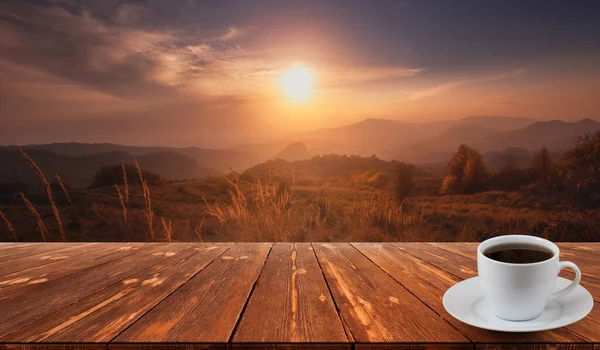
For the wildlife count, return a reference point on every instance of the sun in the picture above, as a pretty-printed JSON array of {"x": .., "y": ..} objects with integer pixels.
[{"x": 297, "y": 82}]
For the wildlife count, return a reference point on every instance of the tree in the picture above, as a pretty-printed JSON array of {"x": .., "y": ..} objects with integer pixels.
[
  {"x": 580, "y": 169},
  {"x": 465, "y": 173},
  {"x": 405, "y": 180},
  {"x": 542, "y": 163}
]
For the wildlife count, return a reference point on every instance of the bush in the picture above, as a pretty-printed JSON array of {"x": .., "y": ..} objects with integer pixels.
[
  {"x": 113, "y": 175},
  {"x": 580, "y": 170},
  {"x": 405, "y": 180},
  {"x": 466, "y": 172}
]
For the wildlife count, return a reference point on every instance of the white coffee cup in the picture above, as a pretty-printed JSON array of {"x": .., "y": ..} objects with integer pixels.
[{"x": 519, "y": 292}]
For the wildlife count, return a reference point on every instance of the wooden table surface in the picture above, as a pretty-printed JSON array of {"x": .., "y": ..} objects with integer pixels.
[{"x": 247, "y": 295}]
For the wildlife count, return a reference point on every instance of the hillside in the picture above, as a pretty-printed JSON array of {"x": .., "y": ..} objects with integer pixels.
[
  {"x": 293, "y": 152},
  {"x": 78, "y": 171},
  {"x": 217, "y": 159}
]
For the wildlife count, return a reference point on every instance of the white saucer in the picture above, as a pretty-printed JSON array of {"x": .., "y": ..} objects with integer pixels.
[{"x": 465, "y": 302}]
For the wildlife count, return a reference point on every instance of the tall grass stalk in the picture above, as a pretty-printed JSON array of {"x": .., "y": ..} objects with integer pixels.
[
  {"x": 147, "y": 200},
  {"x": 11, "y": 230},
  {"x": 64, "y": 189},
  {"x": 40, "y": 223},
  {"x": 126, "y": 189},
  {"x": 55, "y": 210},
  {"x": 168, "y": 227},
  {"x": 123, "y": 207}
]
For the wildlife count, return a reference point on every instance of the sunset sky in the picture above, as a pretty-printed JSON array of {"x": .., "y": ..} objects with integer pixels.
[{"x": 209, "y": 73}]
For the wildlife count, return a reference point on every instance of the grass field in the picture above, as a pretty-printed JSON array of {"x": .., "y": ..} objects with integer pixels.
[{"x": 334, "y": 209}]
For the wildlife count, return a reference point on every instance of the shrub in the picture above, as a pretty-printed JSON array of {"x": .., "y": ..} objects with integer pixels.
[
  {"x": 405, "y": 180},
  {"x": 580, "y": 169}
]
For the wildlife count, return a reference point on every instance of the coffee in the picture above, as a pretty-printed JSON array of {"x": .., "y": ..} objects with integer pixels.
[{"x": 518, "y": 253}]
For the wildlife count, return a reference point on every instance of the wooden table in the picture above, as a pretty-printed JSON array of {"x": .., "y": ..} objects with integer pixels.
[{"x": 248, "y": 295}]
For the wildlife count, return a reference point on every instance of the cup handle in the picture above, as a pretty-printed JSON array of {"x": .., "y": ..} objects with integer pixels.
[{"x": 574, "y": 283}]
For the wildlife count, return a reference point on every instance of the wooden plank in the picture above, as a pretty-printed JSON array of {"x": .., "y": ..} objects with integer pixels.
[
  {"x": 468, "y": 250},
  {"x": 535, "y": 346},
  {"x": 588, "y": 328},
  {"x": 374, "y": 306},
  {"x": 166, "y": 346},
  {"x": 429, "y": 283},
  {"x": 103, "y": 315},
  {"x": 291, "y": 302},
  {"x": 207, "y": 307},
  {"x": 52, "y": 346},
  {"x": 288, "y": 346},
  {"x": 592, "y": 248},
  {"x": 586, "y": 261},
  {"x": 46, "y": 298},
  {"x": 24, "y": 281},
  {"x": 457, "y": 265},
  {"x": 417, "y": 346},
  {"x": 29, "y": 261},
  {"x": 5, "y": 245},
  {"x": 32, "y": 249}
]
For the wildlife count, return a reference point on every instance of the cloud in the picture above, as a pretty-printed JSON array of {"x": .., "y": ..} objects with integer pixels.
[
  {"x": 438, "y": 89},
  {"x": 232, "y": 33},
  {"x": 348, "y": 75},
  {"x": 84, "y": 50}
]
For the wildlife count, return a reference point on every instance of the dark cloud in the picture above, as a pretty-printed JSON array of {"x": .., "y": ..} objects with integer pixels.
[{"x": 116, "y": 61}]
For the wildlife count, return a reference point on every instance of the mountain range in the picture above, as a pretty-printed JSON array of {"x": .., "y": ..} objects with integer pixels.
[{"x": 501, "y": 139}]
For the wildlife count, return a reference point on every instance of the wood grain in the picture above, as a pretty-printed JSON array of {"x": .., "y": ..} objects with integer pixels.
[
  {"x": 46, "y": 298},
  {"x": 429, "y": 283},
  {"x": 24, "y": 281},
  {"x": 374, "y": 306},
  {"x": 167, "y": 346},
  {"x": 455, "y": 264},
  {"x": 206, "y": 308},
  {"x": 468, "y": 250},
  {"x": 591, "y": 249},
  {"x": 257, "y": 295},
  {"x": 52, "y": 346},
  {"x": 291, "y": 290},
  {"x": 32, "y": 249},
  {"x": 421, "y": 346},
  {"x": 103, "y": 315},
  {"x": 283, "y": 346},
  {"x": 27, "y": 261},
  {"x": 534, "y": 346}
]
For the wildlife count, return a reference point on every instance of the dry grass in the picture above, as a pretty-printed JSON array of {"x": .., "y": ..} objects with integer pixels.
[
  {"x": 126, "y": 188},
  {"x": 275, "y": 213},
  {"x": 121, "y": 200},
  {"x": 36, "y": 214},
  {"x": 55, "y": 210},
  {"x": 263, "y": 214},
  {"x": 168, "y": 228},
  {"x": 11, "y": 230},
  {"x": 147, "y": 201},
  {"x": 64, "y": 189}
]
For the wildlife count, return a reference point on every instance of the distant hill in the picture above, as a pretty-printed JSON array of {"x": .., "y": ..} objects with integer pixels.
[
  {"x": 498, "y": 123},
  {"x": 78, "y": 171},
  {"x": 556, "y": 135},
  {"x": 218, "y": 159},
  {"x": 295, "y": 151}
]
